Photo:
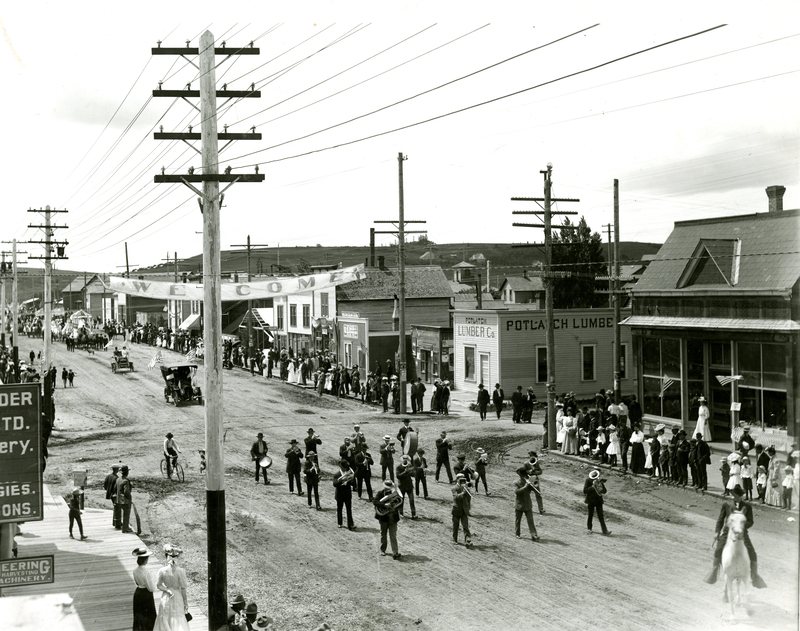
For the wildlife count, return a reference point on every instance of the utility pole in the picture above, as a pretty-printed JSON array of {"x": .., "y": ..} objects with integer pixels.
[
  {"x": 15, "y": 311},
  {"x": 548, "y": 276},
  {"x": 250, "y": 343},
  {"x": 127, "y": 302},
  {"x": 3, "y": 300},
  {"x": 210, "y": 203},
  {"x": 610, "y": 266},
  {"x": 402, "y": 368}
]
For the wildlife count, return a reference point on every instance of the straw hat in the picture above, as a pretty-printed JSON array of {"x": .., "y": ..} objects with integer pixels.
[{"x": 593, "y": 475}]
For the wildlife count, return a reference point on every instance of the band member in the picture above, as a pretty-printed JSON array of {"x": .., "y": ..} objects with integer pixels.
[
  {"x": 534, "y": 470},
  {"x": 721, "y": 537},
  {"x": 363, "y": 471},
  {"x": 405, "y": 483},
  {"x": 401, "y": 434},
  {"x": 420, "y": 394},
  {"x": 344, "y": 480},
  {"x": 311, "y": 441},
  {"x": 311, "y": 474},
  {"x": 235, "y": 612},
  {"x": 481, "y": 460},
  {"x": 483, "y": 401},
  {"x": 387, "y": 458},
  {"x": 443, "y": 447},
  {"x": 257, "y": 453},
  {"x": 461, "y": 465},
  {"x": 293, "y": 457},
  {"x": 110, "y": 486},
  {"x": 388, "y": 521},
  {"x": 461, "y": 506},
  {"x": 347, "y": 451},
  {"x": 522, "y": 489},
  {"x": 357, "y": 438},
  {"x": 420, "y": 464},
  {"x": 594, "y": 488}
]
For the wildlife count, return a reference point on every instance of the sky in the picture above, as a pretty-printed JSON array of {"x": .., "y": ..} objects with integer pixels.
[{"x": 693, "y": 128}]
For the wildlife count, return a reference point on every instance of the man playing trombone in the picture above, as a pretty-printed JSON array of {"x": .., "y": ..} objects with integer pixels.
[
  {"x": 461, "y": 505},
  {"x": 523, "y": 488}
]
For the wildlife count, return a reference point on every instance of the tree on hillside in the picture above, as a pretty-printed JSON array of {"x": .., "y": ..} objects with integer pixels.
[
  {"x": 579, "y": 246},
  {"x": 303, "y": 267}
]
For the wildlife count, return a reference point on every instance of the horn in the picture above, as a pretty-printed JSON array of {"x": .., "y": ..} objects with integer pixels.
[{"x": 533, "y": 461}]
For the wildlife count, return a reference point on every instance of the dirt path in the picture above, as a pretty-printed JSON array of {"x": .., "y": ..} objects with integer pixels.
[{"x": 302, "y": 569}]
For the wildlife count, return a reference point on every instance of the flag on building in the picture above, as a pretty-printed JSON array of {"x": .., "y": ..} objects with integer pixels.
[
  {"x": 157, "y": 359},
  {"x": 667, "y": 382},
  {"x": 191, "y": 356},
  {"x": 724, "y": 380}
]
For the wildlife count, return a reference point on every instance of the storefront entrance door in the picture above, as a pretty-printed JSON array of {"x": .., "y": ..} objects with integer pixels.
[
  {"x": 484, "y": 370},
  {"x": 425, "y": 365},
  {"x": 719, "y": 401}
]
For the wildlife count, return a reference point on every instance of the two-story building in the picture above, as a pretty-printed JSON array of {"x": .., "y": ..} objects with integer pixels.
[
  {"x": 523, "y": 290},
  {"x": 717, "y": 314}
]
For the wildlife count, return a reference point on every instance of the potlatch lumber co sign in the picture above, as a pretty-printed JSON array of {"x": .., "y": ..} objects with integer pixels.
[
  {"x": 27, "y": 571},
  {"x": 20, "y": 454}
]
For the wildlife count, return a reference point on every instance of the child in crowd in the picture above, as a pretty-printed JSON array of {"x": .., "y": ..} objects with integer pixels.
[
  {"x": 761, "y": 483},
  {"x": 747, "y": 478},
  {"x": 75, "y": 513},
  {"x": 725, "y": 470},
  {"x": 787, "y": 484},
  {"x": 663, "y": 463}
]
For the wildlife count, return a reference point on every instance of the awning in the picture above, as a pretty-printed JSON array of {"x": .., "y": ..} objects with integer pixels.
[
  {"x": 192, "y": 322},
  {"x": 728, "y": 324}
]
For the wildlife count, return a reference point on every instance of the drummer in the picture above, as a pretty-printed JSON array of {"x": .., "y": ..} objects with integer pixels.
[
  {"x": 401, "y": 434},
  {"x": 257, "y": 453}
]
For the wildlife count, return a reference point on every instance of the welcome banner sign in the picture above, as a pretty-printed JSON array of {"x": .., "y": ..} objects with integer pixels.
[{"x": 283, "y": 286}]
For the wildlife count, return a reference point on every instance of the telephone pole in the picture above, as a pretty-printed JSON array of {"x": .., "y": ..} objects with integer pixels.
[
  {"x": 3, "y": 299},
  {"x": 402, "y": 368},
  {"x": 210, "y": 203},
  {"x": 127, "y": 302},
  {"x": 548, "y": 276},
  {"x": 250, "y": 343},
  {"x": 173, "y": 313}
]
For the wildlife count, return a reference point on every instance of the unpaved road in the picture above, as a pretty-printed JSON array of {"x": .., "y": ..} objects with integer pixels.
[{"x": 302, "y": 569}]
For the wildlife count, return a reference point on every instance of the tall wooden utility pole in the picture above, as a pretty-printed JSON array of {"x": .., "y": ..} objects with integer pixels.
[
  {"x": 3, "y": 300},
  {"x": 250, "y": 342},
  {"x": 15, "y": 312},
  {"x": 402, "y": 368},
  {"x": 617, "y": 300},
  {"x": 210, "y": 203},
  {"x": 548, "y": 277}
]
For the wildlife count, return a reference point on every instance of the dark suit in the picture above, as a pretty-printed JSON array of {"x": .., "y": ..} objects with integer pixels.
[
  {"x": 497, "y": 398},
  {"x": 344, "y": 498},
  {"x": 460, "y": 512},
  {"x": 364, "y": 473},
  {"x": 483, "y": 402},
  {"x": 110, "y": 485},
  {"x": 293, "y": 457},
  {"x": 516, "y": 403},
  {"x": 523, "y": 505},
  {"x": 387, "y": 462},
  {"x": 443, "y": 458},
  {"x": 405, "y": 484},
  {"x": 420, "y": 395},
  {"x": 311, "y": 444},
  {"x": 388, "y": 521},
  {"x": 721, "y": 531},
  {"x": 311, "y": 471},
  {"x": 702, "y": 461},
  {"x": 420, "y": 464},
  {"x": 257, "y": 452},
  {"x": 594, "y": 500},
  {"x": 124, "y": 500}
]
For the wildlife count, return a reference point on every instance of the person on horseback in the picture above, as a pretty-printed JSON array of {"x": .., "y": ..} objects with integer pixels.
[{"x": 721, "y": 537}]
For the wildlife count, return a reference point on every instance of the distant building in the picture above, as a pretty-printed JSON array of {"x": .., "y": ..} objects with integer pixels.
[
  {"x": 463, "y": 272},
  {"x": 717, "y": 313},
  {"x": 524, "y": 289}
]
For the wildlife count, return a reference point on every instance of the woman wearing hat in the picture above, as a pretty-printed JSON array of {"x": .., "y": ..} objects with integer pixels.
[
  {"x": 735, "y": 476},
  {"x": 703, "y": 426},
  {"x": 144, "y": 607},
  {"x": 774, "y": 478},
  {"x": 172, "y": 583}
]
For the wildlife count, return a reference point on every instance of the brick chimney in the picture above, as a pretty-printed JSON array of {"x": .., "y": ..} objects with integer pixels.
[
  {"x": 381, "y": 263},
  {"x": 775, "y": 195},
  {"x": 524, "y": 273}
]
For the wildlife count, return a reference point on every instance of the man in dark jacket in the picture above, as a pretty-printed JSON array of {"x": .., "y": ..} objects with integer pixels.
[
  {"x": 405, "y": 483},
  {"x": 516, "y": 403},
  {"x": 124, "y": 498},
  {"x": 363, "y": 472},
  {"x": 523, "y": 504},
  {"x": 293, "y": 456},
  {"x": 443, "y": 456},
  {"x": 258, "y": 450},
  {"x": 721, "y": 537},
  {"x": 497, "y": 399},
  {"x": 388, "y": 521},
  {"x": 110, "y": 485},
  {"x": 635, "y": 411},
  {"x": 420, "y": 394},
  {"x": 594, "y": 488},
  {"x": 461, "y": 507},
  {"x": 483, "y": 401}
]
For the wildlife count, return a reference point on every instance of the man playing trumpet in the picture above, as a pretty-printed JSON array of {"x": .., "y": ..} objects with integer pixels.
[
  {"x": 363, "y": 471},
  {"x": 344, "y": 480},
  {"x": 534, "y": 470},
  {"x": 311, "y": 473},
  {"x": 522, "y": 489},
  {"x": 461, "y": 506},
  {"x": 347, "y": 451},
  {"x": 405, "y": 482},
  {"x": 387, "y": 457}
]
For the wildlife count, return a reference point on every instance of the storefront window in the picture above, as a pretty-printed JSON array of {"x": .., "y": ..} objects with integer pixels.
[
  {"x": 323, "y": 304},
  {"x": 587, "y": 362},
  {"x": 661, "y": 378},
  {"x": 280, "y": 317},
  {"x": 292, "y": 315},
  {"x": 541, "y": 364},
  {"x": 469, "y": 363},
  {"x": 306, "y": 316},
  {"x": 695, "y": 376},
  {"x": 762, "y": 390}
]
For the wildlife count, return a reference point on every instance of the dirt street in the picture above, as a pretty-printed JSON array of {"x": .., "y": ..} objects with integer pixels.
[{"x": 302, "y": 570}]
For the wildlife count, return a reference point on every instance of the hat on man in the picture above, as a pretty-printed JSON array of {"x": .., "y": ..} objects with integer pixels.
[
  {"x": 406, "y": 421},
  {"x": 76, "y": 491},
  {"x": 387, "y": 437},
  {"x": 460, "y": 476},
  {"x": 169, "y": 434},
  {"x": 293, "y": 441},
  {"x": 356, "y": 426},
  {"x": 593, "y": 475},
  {"x": 746, "y": 427},
  {"x": 480, "y": 450},
  {"x": 497, "y": 385},
  {"x": 771, "y": 449},
  {"x": 260, "y": 435},
  {"x": 310, "y": 430},
  {"x": 738, "y": 490},
  {"x": 115, "y": 467},
  {"x": 143, "y": 551},
  {"x": 251, "y": 609},
  {"x": 388, "y": 484},
  {"x": 262, "y": 622},
  {"x": 124, "y": 468},
  {"x": 311, "y": 455}
]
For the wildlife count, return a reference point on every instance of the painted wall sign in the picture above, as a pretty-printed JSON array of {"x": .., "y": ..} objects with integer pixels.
[
  {"x": 20, "y": 453},
  {"x": 27, "y": 571}
]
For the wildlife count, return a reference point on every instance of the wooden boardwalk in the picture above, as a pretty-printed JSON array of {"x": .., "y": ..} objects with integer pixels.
[{"x": 97, "y": 573}]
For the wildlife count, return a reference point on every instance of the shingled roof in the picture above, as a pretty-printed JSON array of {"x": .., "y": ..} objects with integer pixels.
[
  {"x": 384, "y": 284},
  {"x": 521, "y": 283},
  {"x": 765, "y": 255}
]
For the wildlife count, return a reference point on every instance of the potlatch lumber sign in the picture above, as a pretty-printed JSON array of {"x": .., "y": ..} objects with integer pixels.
[
  {"x": 20, "y": 454},
  {"x": 283, "y": 286},
  {"x": 27, "y": 571}
]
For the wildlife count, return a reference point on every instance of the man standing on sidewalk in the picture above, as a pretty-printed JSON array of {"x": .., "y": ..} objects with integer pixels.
[
  {"x": 497, "y": 399},
  {"x": 110, "y": 485},
  {"x": 124, "y": 498},
  {"x": 702, "y": 460}
]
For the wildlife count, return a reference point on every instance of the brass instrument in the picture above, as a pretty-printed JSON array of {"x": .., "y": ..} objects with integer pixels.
[
  {"x": 466, "y": 490},
  {"x": 484, "y": 458},
  {"x": 389, "y": 502},
  {"x": 391, "y": 446},
  {"x": 347, "y": 476}
]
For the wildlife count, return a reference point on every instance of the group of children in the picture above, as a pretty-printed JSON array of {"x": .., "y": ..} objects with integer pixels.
[{"x": 738, "y": 470}]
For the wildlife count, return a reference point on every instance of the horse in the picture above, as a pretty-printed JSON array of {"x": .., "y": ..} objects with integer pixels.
[{"x": 735, "y": 560}]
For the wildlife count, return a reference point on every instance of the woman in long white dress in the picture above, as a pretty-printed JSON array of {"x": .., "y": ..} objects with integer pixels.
[
  {"x": 703, "y": 427},
  {"x": 560, "y": 431},
  {"x": 172, "y": 583}
]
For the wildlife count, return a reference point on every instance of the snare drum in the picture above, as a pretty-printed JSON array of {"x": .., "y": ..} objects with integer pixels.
[{"x": 265, "y": 462}]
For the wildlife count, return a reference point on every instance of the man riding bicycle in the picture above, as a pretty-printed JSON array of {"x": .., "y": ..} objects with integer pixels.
[{"x": 171, "y": 451}]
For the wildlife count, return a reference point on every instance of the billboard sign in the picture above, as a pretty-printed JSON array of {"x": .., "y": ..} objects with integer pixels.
[
  {"x": 27, "y": 571},
  {"x": 20, "y": 453}
]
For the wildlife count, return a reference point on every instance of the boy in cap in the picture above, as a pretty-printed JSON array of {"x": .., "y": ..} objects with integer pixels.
[
  {"x": 461, "y": 508},
  {"x": 75, "y": 512},
  {"x": 721, "y": 537}
]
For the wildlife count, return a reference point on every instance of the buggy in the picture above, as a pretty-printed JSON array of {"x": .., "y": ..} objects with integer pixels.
[
  {"x": 178, "y": 388},
  {"x": 120, "y": 362}
]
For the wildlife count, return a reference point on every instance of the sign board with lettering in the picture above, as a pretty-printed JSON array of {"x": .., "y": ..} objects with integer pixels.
[
  {"x": 736, "y": 406},
  {"x": 20, "y": 453},
  {"x": 350, "y": 331},
  {"x": 27, "y": 571}
]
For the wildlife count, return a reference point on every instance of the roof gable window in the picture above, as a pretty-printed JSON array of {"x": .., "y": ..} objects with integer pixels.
[{"x": 713, "y": 262}]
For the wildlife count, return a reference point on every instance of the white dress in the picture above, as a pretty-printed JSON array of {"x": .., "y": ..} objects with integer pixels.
[
  {"x": 171, "y": 610},
  {"x": 703, "y": 427},
  {"x": 736, "y": 476},
  {"x": 560, "y": 431},
  {"x": 613, "y": 444}
]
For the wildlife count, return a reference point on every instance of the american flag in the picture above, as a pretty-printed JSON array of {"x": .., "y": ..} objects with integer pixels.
[
  {"x": 724, "y": 380},
  {"x": 157, "y": 359},
  {"x": 668, "y": 381},
  {"x": 191, "y": 356}
]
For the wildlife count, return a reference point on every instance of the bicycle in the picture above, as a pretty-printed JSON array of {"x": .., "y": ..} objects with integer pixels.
[{"x": 177, "y": 470}]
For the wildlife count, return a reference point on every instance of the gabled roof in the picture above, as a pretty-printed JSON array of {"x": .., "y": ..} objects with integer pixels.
[
  {"x": 384, "y": 284},
  {"x": 767, "y": 258},
  {"x": 77, "y": 284},
  {"x": 520, "y": 283},
  {"x": 463, "y": 264}
]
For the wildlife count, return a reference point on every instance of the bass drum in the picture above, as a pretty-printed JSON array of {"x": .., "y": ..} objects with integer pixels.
[
  {"x": 265, "y": 462},
  {"x": 410, "y": 444}
]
